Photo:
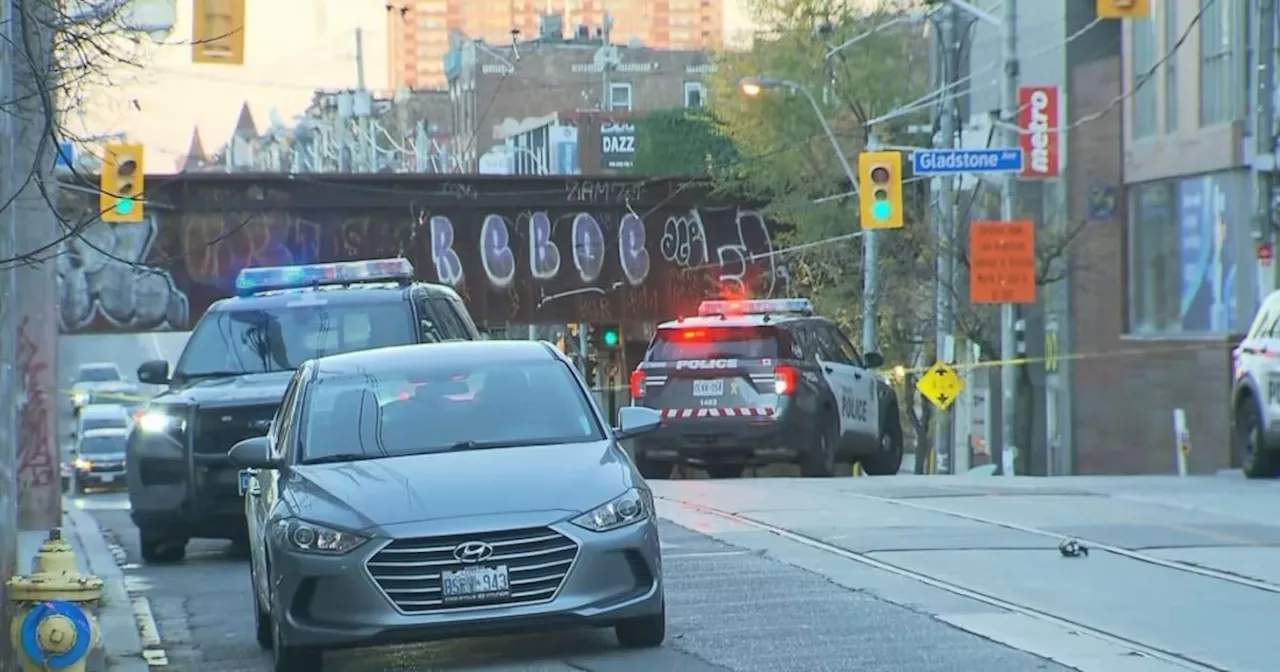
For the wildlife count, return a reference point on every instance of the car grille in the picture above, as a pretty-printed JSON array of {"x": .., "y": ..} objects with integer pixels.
[
  {"x": 106, "y": 466},
  {"x": 222, "y": 428},
  {"x": 408, "y": 570}
]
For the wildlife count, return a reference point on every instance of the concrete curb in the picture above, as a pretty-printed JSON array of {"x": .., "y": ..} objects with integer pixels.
[{"x": 120, "y": 634}]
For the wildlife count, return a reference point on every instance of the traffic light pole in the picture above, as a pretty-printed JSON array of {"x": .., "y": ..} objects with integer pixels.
[
  {"x": 1007, "y": 464},
  {"x": 945, "y": 230},
  {"x": 870, "y": 262}
]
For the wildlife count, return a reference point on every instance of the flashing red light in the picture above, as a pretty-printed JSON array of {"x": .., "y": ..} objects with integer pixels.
[
  {"x": 693, "y": 335},
  {"x": 637, "y": 384},
  {"x": 786, "y": 379}
]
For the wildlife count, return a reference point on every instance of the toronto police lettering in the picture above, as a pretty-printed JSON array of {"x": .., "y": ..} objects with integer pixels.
[
  {"x": 852, "y": 407},
  {"x": 706, "y": 364}
]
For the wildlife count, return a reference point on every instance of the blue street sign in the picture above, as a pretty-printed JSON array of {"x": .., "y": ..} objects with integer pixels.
[
  {"x": 65, "y": 157},
  {"x": 951, "y": 161}
]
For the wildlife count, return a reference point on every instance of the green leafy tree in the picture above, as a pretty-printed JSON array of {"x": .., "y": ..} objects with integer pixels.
[
  {"x": 681, "y": 141},
  {"x": 787, "y": 161}
]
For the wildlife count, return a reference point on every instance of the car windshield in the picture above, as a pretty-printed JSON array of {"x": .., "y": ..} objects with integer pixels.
[
  {"x": 713, "y": 343},
  {"x": 441, "y": 407},
  {"x": 103, "y": 423},
  {"x": 235, "y": 342},
  {"x": 97, "y": 374},
  {"x": 102, "y": 445}
]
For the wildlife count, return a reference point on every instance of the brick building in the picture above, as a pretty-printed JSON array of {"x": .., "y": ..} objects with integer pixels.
[{"x": 498, "y": 92}]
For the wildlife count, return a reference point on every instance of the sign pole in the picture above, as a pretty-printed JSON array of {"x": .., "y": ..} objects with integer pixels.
[
  {"x": 945, "y": 230},
  {"x": 1008, "y": 212}
]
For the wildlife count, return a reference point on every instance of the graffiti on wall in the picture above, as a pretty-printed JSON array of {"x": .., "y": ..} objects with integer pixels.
[
  {"x": 105, "y": 280},
  {"x": 36, "y": 468},
  {"x": 593, "y": 254}
]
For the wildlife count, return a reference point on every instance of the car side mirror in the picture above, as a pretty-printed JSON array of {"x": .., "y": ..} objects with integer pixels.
[
  {"x": 252, "y": 453},
  {"x": 873, "y": 360},
  {"x": 154, "y": 372},
  {"x": 636, "y": 420}
]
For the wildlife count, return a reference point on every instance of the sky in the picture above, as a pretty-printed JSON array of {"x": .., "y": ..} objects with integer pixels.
[{"x": 293, "y": 47}]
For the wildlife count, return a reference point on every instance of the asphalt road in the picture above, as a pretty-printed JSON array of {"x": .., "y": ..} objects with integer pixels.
[{"x": 730, "y": 607}]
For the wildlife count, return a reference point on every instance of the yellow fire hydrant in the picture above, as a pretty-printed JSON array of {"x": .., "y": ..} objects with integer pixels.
[{"x": 54, "y": 627}]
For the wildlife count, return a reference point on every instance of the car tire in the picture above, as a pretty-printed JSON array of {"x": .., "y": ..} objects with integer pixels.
[
  {"x": 264, "y": 629},
  {"x": 642, "y": 632},
  {"x": 725, "y": 470},
  {"x": 888, "y": 461},
  {"x": 820, "y": 460},
  {"x": 1256, "y": 460},
  {"x": 160, "y": 548},
  {"x": 653, "y": 469},
  {"x": 294, "y": 658}
]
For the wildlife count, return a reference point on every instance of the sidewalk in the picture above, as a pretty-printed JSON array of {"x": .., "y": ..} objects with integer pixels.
[{"x": 119, "y": 628}]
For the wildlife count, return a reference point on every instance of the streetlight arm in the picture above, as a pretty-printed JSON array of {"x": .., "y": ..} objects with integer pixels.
[{"x": 826, "y": 128}]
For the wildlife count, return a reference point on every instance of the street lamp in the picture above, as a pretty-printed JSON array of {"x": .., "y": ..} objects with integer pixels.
[{"x": 753, "y": 87}]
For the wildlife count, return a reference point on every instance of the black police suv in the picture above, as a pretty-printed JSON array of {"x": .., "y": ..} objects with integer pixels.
[
  {"x": 231, "y": 376},
  {"x": 760, "y": 382}
]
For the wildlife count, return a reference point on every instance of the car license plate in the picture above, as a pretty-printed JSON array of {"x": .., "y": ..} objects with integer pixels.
[
  {"x": 108, "y": 478},
  {"x": 246, "y": 478},
  {"x": 472, "y": 584},
  {"x": 708, "y": 388}
]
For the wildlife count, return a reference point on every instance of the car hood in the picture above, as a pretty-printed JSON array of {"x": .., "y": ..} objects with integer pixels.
[
  {"x": 104, "y": 457},
  {"x": 104, "y": 386},
  {"x": 252, "y": 388},
  {"x": 371, "y": 494}
]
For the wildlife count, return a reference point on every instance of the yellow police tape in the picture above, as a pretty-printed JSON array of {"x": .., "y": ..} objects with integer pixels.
[{"x": 1053, "y": 358}]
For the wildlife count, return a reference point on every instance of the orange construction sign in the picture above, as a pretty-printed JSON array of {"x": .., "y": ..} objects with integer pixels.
[{"x": 1002, "y": 262}]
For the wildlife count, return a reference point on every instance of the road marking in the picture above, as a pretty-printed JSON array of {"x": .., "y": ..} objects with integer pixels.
[
  {"x": 149, "y": 632},
  {"x": 704, "y": 554}
]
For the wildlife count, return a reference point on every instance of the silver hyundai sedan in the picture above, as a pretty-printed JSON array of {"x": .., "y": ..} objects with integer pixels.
[{"x": 446, "y": 490}]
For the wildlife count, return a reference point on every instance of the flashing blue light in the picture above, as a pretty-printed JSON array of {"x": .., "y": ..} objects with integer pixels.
[
  {"x": 756, "y": 307},
  {"x": 269, "y": 278}
]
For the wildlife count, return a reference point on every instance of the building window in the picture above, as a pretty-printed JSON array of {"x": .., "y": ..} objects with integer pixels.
[
  {"x": 1216, "y": 96},
  {"x": 1185, "y": 237},
  {"x": 1144, "y": 90},
  {"x": 695, "y": 94},
  {"x": 620, "y": 97},
  {"x": 1171, "y": 34}
]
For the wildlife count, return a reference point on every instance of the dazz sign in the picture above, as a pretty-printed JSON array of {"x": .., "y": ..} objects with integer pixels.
[
  {"x": 619, "y": 144},
  {"x": 1040, "y": 139}
]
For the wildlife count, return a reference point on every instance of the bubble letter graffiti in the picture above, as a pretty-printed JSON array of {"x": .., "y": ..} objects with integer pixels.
[
  {"x": 588, "y": 247},
  {"x": 631, "y": 249},
  {"x": 448, "y": 265},
  {"x": 495, "y": 251},
  {"x": 544, "y": 258}
]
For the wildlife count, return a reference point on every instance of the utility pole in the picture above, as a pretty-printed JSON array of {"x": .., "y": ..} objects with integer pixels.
[
  {"x": 366, "y": 155},
  {"x": 870, "y": 252},
  {"x": 1008, "y": 462},
  {"x": 1264, "y": 160},
  {"x": 30, "y": 499},
  {"x": 945, "y": 230},
  {"x": 606, "y": 65}
]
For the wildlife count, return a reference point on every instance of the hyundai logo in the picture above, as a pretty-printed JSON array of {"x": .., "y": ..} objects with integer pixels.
[{"x": 473, "y": 551}]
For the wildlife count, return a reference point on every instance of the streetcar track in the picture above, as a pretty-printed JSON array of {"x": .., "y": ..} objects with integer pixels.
[
  {"x": 1093, "y": 545},
  {"x": 1077, "y": 627}
]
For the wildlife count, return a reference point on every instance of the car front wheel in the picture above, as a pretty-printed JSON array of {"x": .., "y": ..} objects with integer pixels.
[
  {"x": 294, "y": 658},
  {"x": 1256, "y": 461},
  {"x": 643, "y": 632}
]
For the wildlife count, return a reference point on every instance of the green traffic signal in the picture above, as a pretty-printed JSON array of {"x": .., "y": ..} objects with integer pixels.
[
  {"x": 124, "y": 206},
  {"x": 882, "y": 210},
  {"x": 609, "y": 337}
]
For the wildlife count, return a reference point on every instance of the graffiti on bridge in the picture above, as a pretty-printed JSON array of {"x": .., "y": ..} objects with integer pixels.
[
  {"x": 36, "y": 468},
  {"x": 585, "y": 259}
]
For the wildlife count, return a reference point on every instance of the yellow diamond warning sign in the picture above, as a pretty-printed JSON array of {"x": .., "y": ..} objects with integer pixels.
[{"x": 941, "y": 384}]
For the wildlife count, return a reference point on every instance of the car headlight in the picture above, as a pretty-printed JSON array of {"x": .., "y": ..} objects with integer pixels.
[
  {"x": 307, "y": 537},
  {"x": 79, "y": 398},
  {"x": 630, "y": 507},
  {"x": 158, "y": 422},
  {"x": 83, "y": 464}
]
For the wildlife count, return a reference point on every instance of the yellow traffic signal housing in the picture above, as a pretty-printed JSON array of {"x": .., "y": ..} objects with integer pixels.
[
  {"x": 880, "y": 189},
  {"x": 1124, "y": 9},
  {"x": 122, "y": 183},
  {"x": 217, "y": 33}
]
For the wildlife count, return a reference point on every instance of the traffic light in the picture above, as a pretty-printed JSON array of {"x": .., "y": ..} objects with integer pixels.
[
  {"x": 217, "y": 32},
  {"x": 1124, "y": 9},
  {"x": 120, "y": 191},
  {"x": 606, "y": 336},
  {"x": 880, "y": 186}
]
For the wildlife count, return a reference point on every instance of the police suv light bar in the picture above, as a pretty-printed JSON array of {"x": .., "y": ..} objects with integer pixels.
[
  {"x": 756, "y": 307},
  {"x": 271, "y": 278}
]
